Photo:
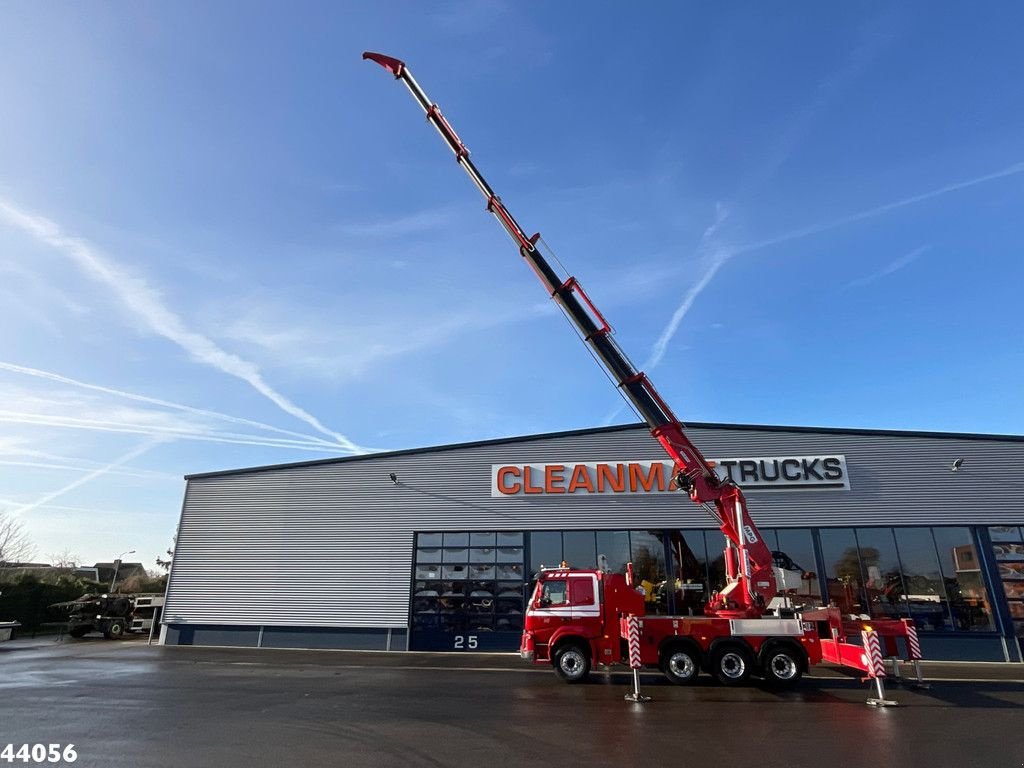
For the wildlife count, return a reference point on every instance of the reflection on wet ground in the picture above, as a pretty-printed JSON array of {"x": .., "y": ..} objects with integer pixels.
[{"x": 128, "y": 704}]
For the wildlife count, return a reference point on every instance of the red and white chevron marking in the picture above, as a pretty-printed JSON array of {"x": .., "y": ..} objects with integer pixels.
[
  {"x": 634, "y": 642},
  {"x": 873, "y": 661},
  {"x": 913, "y": 644}
]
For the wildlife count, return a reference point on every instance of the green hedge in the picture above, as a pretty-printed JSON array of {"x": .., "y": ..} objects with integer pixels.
[{"x": 27, "y": 599}]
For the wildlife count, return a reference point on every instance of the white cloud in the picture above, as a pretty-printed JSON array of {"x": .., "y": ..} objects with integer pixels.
[{"x": 145, "y": 302}]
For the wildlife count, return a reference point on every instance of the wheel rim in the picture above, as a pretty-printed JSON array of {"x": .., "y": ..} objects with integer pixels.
[
  {"x": 733, "y": 665},
  {"x": 783, "y": 666},
  {"x": 681, "y": 665},
  {"x": 571, "y": 663}
]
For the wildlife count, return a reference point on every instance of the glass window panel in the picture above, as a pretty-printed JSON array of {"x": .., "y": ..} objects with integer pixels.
[
  {"x": 1004, "y": 533},
  {"x": 715, "y": 544},
  {"x": 510, "y": 589},
  {"x": 579, "y": 549},
  {"x": 428, "y": 571},
  {"x": 480, "y": 588},
  {"x": 482, "y": 555},
  {"x": 510, "y": 554},
  {"x": 688, "y": 572},
  {"x": 922, "y": 577},
  {"x": 453, "y": 589},
  {"x": 648, "y": 551},
  {"x": 614, "y": 545},
  {"x": 770, "y": 539},
  {"x": 842, "y": 570},
  {"x": 883, "y": 580},
  {"x": 510, "y": 539},
  {"x": 426, "y": 589},
  {"x": 456, "y": 539},
  {"x": 965, "y": 585},
  {"x": 428, "y": 539},
  {"x": 481, "y": 539},
  {"x": 481, "y": 571},
  {"x": 545, "y": 549},
  {"x": 553, "y": 592},
  {"x": 455, "y": 555},
  {"x": 432, "y": 555},
  {"x": 424, "y": 605},
  {"x": 453, "y": 571},
  {"x": 508, "y": 571},
  {"x": 1005, "y": 552},
  {"x": 508, "y": 622},
  {"x": 509, "y": 605},
  {"x": 801, "y": 586}
]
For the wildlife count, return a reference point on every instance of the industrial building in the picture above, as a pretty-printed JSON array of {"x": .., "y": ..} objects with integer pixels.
[{"x": 434, "y": 548}]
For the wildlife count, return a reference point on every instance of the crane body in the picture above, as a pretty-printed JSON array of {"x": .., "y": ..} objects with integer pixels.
[{"x": 577, "y": 617}]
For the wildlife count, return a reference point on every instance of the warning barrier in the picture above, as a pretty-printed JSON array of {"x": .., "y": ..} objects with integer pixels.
[
  {"x": 633, "y": 637},
  {"x": 874, "y": 665},
  {"x": 634, "y": 642}
]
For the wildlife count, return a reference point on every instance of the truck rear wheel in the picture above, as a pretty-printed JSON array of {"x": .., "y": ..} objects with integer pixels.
[
  {"x": 732, "y": 664},
  {"x": 572, "y": 664},
  {"x": 680, "y": 665},
  {"x": 783, "y": 666},
  {"x": 114, "y": 631}
]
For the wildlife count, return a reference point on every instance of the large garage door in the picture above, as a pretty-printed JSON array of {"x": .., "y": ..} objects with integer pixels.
[{"x": 467, "y": 591}]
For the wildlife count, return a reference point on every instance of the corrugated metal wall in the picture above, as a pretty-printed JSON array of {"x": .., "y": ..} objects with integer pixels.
[{"x": 331, "y": 544}]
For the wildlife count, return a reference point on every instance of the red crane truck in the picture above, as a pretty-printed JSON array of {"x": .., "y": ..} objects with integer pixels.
[{"x": 578, "y": 618}]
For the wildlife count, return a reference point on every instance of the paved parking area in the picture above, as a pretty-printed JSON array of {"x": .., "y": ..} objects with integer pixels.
[{"x": 129, "y": 704}]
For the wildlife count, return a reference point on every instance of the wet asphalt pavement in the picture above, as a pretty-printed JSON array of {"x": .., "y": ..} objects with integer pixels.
[{"x": 128, "y": 704}]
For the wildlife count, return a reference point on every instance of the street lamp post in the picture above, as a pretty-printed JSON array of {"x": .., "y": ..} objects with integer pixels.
[{"x": 117, "y": 567}]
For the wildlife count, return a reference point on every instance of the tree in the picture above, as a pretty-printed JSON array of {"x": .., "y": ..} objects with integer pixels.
[
  {"x": 15, "y": 544},
  {"x": 65, "y": 559},
  {"x": 166, "y": 564}
]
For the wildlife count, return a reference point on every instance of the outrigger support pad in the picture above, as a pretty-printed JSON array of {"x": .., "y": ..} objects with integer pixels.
[{"x": 392, "y": 65}]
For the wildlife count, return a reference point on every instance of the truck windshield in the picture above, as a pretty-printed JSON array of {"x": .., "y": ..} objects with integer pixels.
[{"x": 553, "y": 592}]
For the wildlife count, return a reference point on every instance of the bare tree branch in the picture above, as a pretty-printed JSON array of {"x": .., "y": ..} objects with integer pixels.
[{"x": 15, "y": 544}]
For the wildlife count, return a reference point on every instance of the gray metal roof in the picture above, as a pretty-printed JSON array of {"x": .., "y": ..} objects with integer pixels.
[{"x": 617, "y": 428}]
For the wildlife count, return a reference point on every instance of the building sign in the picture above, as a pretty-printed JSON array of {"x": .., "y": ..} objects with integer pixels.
[{"x": 641, "y": 477}]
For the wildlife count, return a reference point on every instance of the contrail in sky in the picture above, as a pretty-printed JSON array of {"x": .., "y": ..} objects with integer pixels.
[
  {"x": 154, "y": 401},
  {"x": 719, "y": 256},
  {"x": 132, "y": 454},
  {"x": 167, "y": 433},
  {"x": 870, "y": 213},
  {"x": 724, "y": 253},
  {"x": 141, "y": 299}
]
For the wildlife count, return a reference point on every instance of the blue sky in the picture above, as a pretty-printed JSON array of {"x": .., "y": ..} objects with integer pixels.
[{"x": 226, "y": 241}]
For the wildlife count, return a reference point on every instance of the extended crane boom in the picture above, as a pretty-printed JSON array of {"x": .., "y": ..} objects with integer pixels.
[{"x": 748, "y": 560}]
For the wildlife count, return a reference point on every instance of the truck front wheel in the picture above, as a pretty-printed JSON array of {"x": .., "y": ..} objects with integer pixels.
[
  {"x": 680, "y": 665},
  {"x": 572, "y": 664},
  {"x": 731, "y": 664}
]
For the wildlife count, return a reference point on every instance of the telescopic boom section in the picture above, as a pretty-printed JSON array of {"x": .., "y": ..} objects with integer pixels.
[{"x": 748, "y": 561}]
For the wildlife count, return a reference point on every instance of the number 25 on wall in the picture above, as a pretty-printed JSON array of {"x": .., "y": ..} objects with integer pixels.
[{"x": 465, "y": 642}]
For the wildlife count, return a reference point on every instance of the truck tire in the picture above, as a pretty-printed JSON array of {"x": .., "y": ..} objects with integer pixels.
[
  {"x": 680, "y": 664},
  {"x": 732, "y": 663},
  {"x": 78, "y": 632},
  {"x": 115, "y": 631},
  {"x": 571, "y": 663},
  {"x": 782, "y": 666}
]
